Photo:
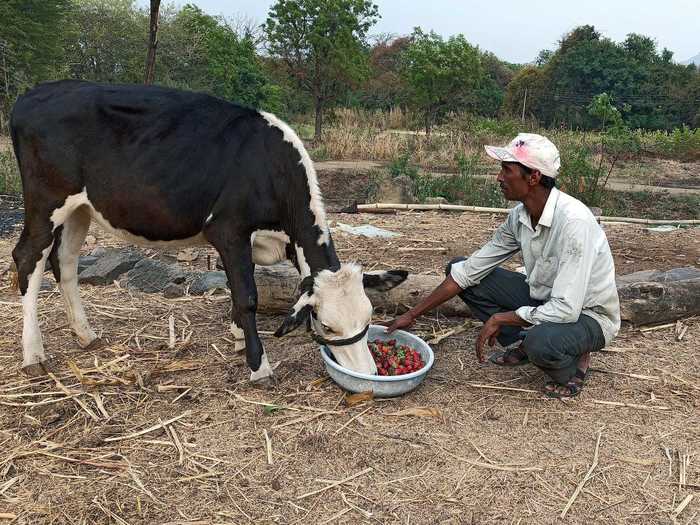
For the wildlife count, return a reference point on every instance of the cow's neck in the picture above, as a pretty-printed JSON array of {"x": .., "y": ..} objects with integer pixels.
[{"x": 312, "y": 257}]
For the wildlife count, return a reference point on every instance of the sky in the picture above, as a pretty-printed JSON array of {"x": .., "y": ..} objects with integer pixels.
[{"x": 516, "y": 30}]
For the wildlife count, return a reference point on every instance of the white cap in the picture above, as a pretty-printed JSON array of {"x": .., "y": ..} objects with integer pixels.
[{"x": 531, "y": 150}]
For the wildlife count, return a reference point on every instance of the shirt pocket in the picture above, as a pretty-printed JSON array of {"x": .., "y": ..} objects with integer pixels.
[{"x": 546, "y": 271}]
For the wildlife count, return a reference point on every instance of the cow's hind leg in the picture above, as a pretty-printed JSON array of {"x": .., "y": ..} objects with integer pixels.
[
  {"x": 64, "y": 261},
  {"x": 30, "y": 256}
]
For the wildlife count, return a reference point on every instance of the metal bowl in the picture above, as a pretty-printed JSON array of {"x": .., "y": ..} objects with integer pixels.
[{"x": 382, "y": 386}]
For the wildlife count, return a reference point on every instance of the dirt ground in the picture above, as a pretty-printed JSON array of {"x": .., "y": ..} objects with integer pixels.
[{"x": 81, "y": 447}]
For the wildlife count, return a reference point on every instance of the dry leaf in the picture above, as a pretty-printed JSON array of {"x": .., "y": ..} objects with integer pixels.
[
  {"x": 419, "y": 412},
  {"x": 355, "y": 399}
]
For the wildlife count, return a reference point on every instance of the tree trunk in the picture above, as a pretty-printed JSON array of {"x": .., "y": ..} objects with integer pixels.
[
  {"x": 319, "y": 118},
  {"x": 645, "y": 297},
  {"x": 152, "y": 43}
]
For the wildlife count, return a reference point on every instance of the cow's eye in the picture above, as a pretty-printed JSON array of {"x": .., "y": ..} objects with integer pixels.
[{"x": 327, "y": 328}]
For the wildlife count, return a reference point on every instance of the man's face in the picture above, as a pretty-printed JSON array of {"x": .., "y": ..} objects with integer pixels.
[{"x": 515, "y": 183}]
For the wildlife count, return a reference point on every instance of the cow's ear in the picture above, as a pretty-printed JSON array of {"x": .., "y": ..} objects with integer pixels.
[
  {"x": 383, "y": 281},
  {"x": 299, "y": 314}
]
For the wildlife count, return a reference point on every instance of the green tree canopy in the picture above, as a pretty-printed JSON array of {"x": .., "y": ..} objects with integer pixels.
[
  {"x": 441, "y": 75},
  {"x": 322, "y": 44}
]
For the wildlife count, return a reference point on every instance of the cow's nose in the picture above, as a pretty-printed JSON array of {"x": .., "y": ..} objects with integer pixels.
[{"x": 355, "y": 357}]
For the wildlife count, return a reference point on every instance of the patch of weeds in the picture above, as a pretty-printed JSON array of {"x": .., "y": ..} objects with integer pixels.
[
  {"x": 319, "y": 152},
  {"x": 647, "y": 205},
  {"x": 10, "y": 181}
]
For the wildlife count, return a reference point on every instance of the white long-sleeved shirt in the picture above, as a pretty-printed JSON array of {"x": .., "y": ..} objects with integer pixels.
[{"x": 567, "y": 259}]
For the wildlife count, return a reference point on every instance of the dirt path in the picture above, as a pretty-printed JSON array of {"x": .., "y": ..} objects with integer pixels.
[{"x": 689, "y": 187}]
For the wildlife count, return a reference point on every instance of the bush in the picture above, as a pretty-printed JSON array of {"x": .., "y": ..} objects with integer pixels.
[
  {"x": 681, "y": 143},
  {"x": 579, "y": 177}
]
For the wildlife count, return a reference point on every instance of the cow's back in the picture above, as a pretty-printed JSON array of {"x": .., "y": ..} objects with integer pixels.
[{"x": 152, "y": 160}]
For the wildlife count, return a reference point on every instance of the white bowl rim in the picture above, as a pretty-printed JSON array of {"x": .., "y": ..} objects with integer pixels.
[{"x": 390, "y": 379}]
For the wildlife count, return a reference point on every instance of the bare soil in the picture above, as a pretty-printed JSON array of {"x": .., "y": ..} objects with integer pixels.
[{"x": 495, "y": 449}]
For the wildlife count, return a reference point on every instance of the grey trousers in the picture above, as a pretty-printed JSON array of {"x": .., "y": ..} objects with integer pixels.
[{"x": 555, "y": 348}]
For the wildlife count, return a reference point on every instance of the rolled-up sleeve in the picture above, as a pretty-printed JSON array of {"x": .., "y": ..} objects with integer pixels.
[
  {"x": 502, "y": 246},
  {"x": 570, "y": 285}
]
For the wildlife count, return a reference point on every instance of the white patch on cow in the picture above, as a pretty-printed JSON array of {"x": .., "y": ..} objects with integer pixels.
[
  {"x": 304, "y": 268},
  {"x": 238, "y": 337},
  {"x": 264, "y": 371},
  {"x": 75, "y": 229},
  {"x": 316, "y": 206},
  {"x": 269, "y": 247},
  {"x": 211, "y": 216},
  {"x": 32, "y": 347},
  {"x": 343, "y": 307}
]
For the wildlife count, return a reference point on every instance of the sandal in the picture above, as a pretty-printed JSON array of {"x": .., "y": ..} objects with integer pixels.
[
  {"x": 572, "y": 388},
  {"x": 510, "y": 358}
]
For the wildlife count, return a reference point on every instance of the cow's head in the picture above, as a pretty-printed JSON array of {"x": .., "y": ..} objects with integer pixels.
[{"x": 339, "y": 312}]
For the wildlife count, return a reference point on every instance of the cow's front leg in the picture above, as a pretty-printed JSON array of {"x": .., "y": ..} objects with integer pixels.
[{"x": 236, "y": 255}]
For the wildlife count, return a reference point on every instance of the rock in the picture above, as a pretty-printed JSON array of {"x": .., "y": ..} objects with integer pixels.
[
  {"x": 151, "y": 276},
  {"x": 651, "y": 297},
  {"x": 47, "y": 285},
  {"x": 110, "y": 266},
  {"x": 85, "y": 261},
  {"x": 173, "y": 291},
  {"x": 206, "y": 281},
  {"x": 396, "y": 190},
  {"x": 99, "y": 251}
]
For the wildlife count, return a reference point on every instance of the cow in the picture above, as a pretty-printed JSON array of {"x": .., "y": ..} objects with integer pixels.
[{"x": 166, "y": 167}]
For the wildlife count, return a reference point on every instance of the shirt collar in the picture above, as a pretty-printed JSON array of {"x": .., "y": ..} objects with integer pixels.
[{"x": 547, "y": 213}]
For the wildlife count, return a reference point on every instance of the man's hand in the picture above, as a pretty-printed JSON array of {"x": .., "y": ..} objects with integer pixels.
[
  {"x": 492, "y": 328},
  {"x": 401, "y": 322},
  {"x": 488, "y": 332}
]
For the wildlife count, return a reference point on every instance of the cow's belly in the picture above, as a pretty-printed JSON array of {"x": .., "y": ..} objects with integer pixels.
[{"x": 133, "y": 238}]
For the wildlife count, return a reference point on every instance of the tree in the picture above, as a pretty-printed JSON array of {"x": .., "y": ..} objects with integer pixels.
[
  {"x": 152, "y": 42},
  {"x": 441, "y": 75},
  {"x": 202, "y": 52},
  {"x": 30, "y": 46},
  {"x": 322, "y": 44},
  {"x": 105, "y": 40}
]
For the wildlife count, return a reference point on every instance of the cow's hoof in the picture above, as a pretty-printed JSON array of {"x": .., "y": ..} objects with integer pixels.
[
  {"x": 36, "y": 369},
  {"x": 265, "y": 383}
]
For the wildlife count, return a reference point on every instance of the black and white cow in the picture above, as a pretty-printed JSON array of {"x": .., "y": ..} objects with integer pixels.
[{"x": 165, "y": 167}]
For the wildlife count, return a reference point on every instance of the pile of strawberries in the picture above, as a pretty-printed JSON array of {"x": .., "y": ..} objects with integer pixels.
[{"x": 393, "y": 360}]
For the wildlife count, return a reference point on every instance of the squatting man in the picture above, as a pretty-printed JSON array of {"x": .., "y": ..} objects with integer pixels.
[{"x": 566, "y": 306}]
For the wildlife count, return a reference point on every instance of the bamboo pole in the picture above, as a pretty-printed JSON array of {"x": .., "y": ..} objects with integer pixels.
[{"x": 482, "y": 209}]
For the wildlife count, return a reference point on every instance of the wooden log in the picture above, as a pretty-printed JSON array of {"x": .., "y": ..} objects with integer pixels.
[{"x": 645, "y": 297}]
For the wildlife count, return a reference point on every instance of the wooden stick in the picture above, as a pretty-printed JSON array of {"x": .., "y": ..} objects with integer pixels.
[
  {"x": 353, "y": 419},
  {"x": 327, "y": 487},
  {"x": 579, "y": 488},
  {"x": 147, "y": 430},
  {"x": 171, "y": 332},
  {"x": 268, "y": 447},
  {"x": 74, "y": 397},
  {"x": 492, "y": 387},
  {"x": 658, "y": 327},
  {"x": 682, "y": 506},
  {"x": 481, "y": 209},
  {"x": 629, "y": 405}
]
